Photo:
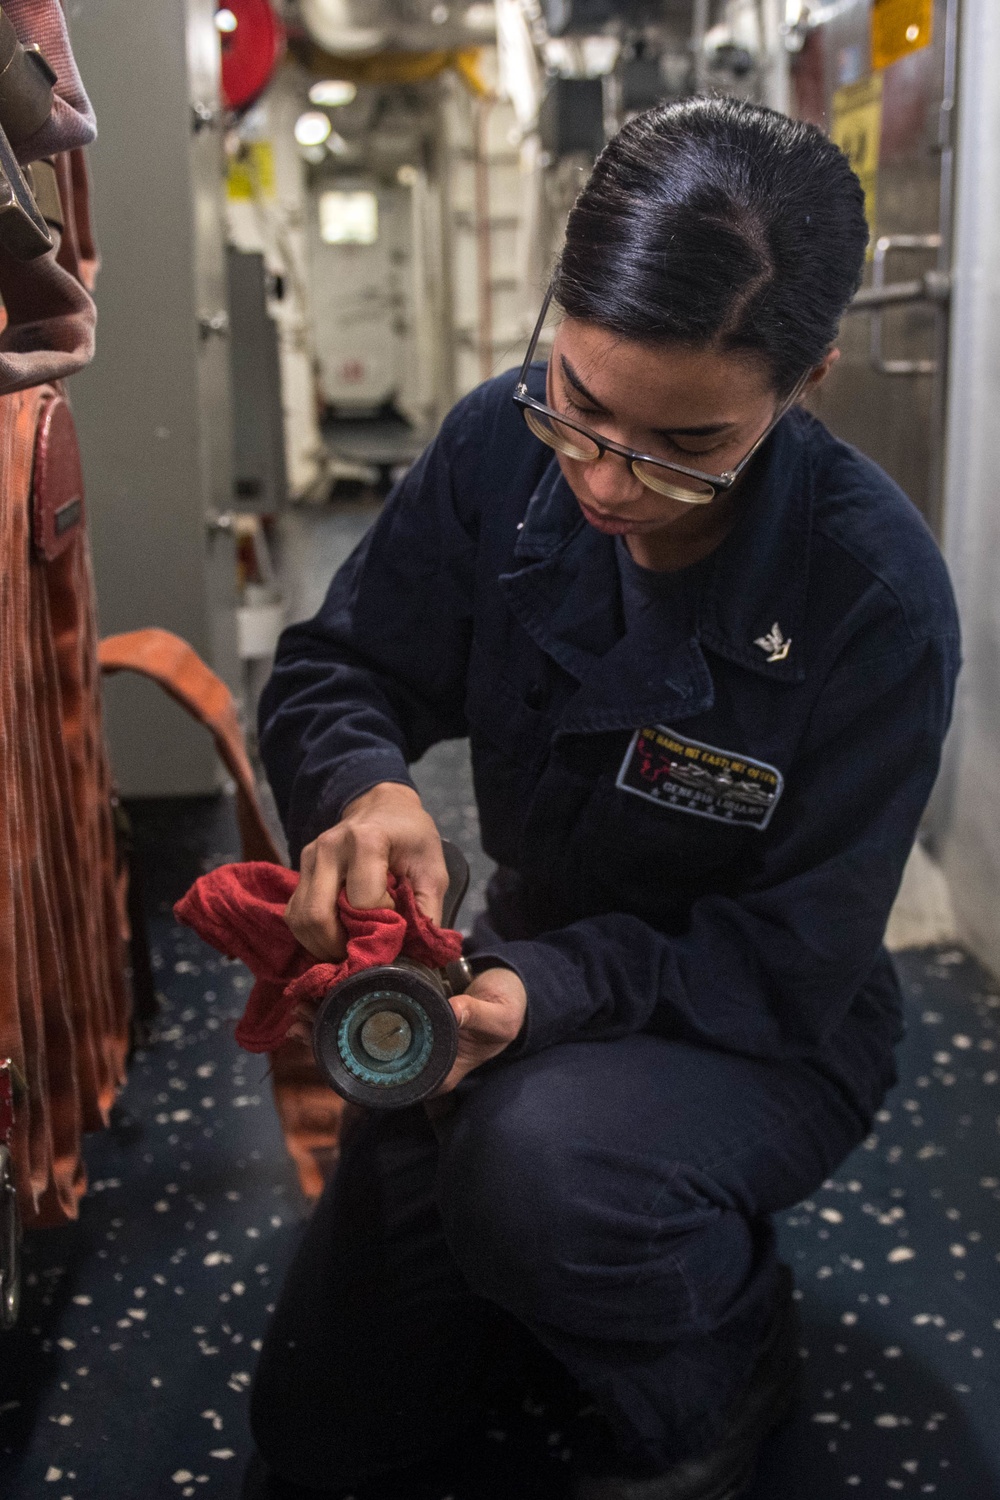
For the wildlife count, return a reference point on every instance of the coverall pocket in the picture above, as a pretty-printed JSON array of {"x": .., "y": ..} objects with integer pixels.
[{"x": 657, "y": 859}]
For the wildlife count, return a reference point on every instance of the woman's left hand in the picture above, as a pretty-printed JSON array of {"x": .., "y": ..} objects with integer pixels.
[{"x": 490, "y": 1015}]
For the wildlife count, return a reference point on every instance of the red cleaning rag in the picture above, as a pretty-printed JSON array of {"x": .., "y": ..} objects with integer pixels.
[{"x": 239, "y": 909}]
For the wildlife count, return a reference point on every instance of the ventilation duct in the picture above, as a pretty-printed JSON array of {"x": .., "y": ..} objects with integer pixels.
[{"x": 358, "y": 28}]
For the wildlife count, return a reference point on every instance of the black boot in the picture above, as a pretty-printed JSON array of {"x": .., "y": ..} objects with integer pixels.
[
  {"x": 420, "y": 1481},
  {"x": 726, "y": 1471}
]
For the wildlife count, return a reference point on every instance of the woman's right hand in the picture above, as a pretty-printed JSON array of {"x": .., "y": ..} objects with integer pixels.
[{"x": 384, "y": 829}]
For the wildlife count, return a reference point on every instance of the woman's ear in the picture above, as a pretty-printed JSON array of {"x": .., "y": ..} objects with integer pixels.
[{"x": 819, "y": 374}]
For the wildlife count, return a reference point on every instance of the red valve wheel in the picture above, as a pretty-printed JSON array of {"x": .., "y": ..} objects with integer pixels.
[{"x": 251, "y": 49}]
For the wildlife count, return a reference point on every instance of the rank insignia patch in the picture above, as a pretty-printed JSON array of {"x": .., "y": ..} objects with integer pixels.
[
  {"x": 665, "y": 767},
  {"x": 774, "y": 645}
]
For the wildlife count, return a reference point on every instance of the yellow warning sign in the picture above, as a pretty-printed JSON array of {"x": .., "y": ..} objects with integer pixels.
[
  {"x": 251, "y": 173},
  {"x": 857, "y": 129},
  {"x": 900, "y": 27}
]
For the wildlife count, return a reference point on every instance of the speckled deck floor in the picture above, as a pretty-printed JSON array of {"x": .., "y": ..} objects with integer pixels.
[{"x": 127, "y": 1378}]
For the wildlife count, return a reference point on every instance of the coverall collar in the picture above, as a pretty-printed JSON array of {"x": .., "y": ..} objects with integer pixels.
[{"x": 567, "y": 595}]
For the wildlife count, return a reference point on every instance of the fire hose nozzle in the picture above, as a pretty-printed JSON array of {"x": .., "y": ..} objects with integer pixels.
[{"x": 387, "y": 1037}]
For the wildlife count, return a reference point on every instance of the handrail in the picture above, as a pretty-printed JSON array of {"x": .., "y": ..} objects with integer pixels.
[{"x": 933, "y": 286}]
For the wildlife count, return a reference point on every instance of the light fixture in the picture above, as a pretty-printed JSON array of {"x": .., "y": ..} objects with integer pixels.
[
  {"x": 439, "y": 15},
  {"x": 312, "y": 128},
  {"x": 225, "y": 20},
  {"x": 330, "y": 93},
  {"x": 407, "y": 175},
  {"x": 348, "y": 218}
]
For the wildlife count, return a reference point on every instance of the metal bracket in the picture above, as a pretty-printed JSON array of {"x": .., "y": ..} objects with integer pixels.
[
  {"x": 214, "y": 325},
  {"x": 12, "y": 1088},
  {"x": 9, "y": 1079},
  {"x": 204, "y": 116},
  {"x": 220, "y": 523},
  {"x": 933, "y": 286}
]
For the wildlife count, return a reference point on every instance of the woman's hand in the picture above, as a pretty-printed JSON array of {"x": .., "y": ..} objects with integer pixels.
[
  {"x": 490, "y": 1015},
  {"x": 384, "y": 829}
]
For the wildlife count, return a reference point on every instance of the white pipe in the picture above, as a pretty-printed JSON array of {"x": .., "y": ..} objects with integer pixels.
[
  {"x": 965, "y": 820},
  {"x": 700, "y": 18}
]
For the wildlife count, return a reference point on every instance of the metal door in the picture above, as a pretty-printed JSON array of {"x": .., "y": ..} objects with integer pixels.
[
  {"x": 879, "y": 76},
  {"x": 362, "y": 318}
]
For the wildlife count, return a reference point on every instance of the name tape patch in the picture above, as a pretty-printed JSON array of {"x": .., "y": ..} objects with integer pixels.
[{"x": 666, "y": 768}]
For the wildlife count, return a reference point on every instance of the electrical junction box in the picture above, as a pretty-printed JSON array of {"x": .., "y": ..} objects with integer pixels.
[{"x": 571, "y": 118}]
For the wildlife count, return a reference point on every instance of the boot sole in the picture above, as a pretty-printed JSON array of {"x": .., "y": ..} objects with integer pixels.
[{"x": 733, "y": 1488}]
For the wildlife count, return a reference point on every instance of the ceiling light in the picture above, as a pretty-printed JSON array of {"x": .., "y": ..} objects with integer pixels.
[
  {"x": 225, "y": 20},
  {"x": 312, "y": 128},
  {"x": 330, "y": 93}
]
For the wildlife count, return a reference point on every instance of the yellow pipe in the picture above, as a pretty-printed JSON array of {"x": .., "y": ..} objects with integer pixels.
[{"x": 395, "y": 67}]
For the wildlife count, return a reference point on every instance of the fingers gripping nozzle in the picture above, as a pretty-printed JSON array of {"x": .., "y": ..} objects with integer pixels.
[{"x": 387, "y": 1037}]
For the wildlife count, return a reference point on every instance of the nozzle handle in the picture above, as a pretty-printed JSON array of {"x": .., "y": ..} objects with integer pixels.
[{"x": 458, "y": 881}]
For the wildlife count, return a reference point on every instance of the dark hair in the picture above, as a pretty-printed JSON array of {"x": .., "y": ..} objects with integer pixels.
[{"x": 718, "y": 223}]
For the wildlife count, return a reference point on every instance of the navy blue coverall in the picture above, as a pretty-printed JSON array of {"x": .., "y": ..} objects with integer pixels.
[{"x": 700, "y": 789}]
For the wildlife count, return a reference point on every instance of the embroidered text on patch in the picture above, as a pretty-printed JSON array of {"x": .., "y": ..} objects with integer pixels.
[
  {"x": 775, "y": 643},
  {"x": 684, "y": 774}
]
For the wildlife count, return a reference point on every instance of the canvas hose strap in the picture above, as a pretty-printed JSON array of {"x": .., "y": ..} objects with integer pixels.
[
  {"x": 180, "y": 671},
  {"x": 309, "y": 1111}
]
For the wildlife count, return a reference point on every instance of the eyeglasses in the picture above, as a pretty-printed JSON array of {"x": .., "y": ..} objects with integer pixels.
[{"x": 691, "y": 486}]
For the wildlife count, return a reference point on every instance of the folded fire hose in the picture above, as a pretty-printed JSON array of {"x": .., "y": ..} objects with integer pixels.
[
  {"x": 64, "y": 1008},
  {"x": 63, "y": 995},
  {"x": 65, "y": 1004}
]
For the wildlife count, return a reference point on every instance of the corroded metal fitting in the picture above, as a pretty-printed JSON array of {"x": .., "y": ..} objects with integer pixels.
[{"x": 26, "y": 83}]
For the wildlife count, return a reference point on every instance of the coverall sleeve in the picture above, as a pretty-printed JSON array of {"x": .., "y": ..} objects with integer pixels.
[
  {"x": 378, "y": 675},
  {"x": 774, "y": 969}
]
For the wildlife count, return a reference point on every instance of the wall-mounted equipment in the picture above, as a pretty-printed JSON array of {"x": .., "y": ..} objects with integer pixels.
[
  {"x": 572, "y": 117},
  {"x": 253, "y": 43},
  {"x": 589, "y": 17},
  {"x": 361, "y": 28}
]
